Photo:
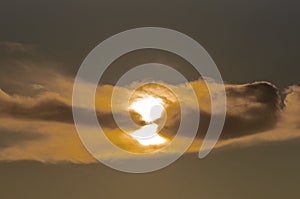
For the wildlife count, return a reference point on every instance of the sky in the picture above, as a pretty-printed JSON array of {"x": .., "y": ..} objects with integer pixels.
[{"x": 255, "y": 45}]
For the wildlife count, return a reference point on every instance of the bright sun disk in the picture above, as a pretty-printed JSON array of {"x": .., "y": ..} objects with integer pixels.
[{"x": 150, "y": 108}]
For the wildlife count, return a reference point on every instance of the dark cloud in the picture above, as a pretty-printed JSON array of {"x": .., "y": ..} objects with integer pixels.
[
  {"x": 53, "y": 109},
  {"x": 12, "y": 138},
  {"x": 251, "y": 108},
  {"x": 50, "y": 110}
]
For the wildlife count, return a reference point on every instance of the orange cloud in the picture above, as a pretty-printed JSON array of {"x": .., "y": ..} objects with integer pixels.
[{"x": 36, "y": 112}]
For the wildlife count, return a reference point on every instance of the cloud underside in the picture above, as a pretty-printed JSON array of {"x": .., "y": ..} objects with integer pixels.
[{"x": 36, "y": 120}]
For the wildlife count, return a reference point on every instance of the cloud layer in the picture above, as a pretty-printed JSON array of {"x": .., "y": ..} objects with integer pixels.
[{"x": 36, "y": 112}]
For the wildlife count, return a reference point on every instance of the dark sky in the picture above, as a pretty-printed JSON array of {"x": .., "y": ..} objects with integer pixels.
[
  {"x": 227, "y": 174},
  {"x": 249, "y": 40}
]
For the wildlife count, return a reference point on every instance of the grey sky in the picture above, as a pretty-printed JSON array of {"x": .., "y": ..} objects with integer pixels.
[{"x": 250, "y": 40}]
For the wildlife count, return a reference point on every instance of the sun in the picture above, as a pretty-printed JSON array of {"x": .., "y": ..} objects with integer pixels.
[{"x": 150, "y": 108}]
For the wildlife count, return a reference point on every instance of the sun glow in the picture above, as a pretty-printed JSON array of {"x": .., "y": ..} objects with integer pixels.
[{"x": 150, "y": 108}]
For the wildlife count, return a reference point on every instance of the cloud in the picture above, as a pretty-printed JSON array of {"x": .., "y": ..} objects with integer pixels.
[
  {"x": 251, "y": 108},
  {"x": 42, "y": 107},
  {"x": 50, "y": 135},
  {"x": 36, "y": 111},
  {"x": 286, "y": 128},
  {"x": 17, "y": 138}
]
